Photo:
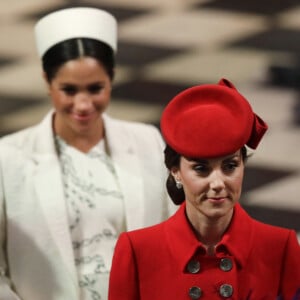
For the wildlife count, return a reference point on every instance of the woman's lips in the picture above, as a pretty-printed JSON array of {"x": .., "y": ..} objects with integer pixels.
[
  {"x": 83, "y": 117},
  {"x": 217, "y": 200}
]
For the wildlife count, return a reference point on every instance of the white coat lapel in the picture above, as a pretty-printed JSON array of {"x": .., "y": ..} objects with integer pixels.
[
  {"x": 49, "y": 190},
  {"x": 123, "y": 153}
]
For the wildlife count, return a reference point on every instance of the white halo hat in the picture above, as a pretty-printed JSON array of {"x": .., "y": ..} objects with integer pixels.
[{"x": 77, "y": 22}]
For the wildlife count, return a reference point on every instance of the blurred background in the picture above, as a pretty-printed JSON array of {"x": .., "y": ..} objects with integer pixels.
[{"x": 166, "y": 46}]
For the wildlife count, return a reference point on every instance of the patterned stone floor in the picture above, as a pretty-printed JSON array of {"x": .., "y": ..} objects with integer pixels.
[{"x": 168, "y": 45}]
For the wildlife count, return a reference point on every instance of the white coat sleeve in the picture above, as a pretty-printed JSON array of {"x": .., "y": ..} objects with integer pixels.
[{"x": 6, "y": 292}]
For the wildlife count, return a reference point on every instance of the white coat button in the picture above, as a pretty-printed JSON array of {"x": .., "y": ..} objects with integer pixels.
[
  {"x": 195, "y": 292},
  {"x": 193, "y": 266},
  {"x": 226, "y": 290},
  {"x": 225, "y": 264}
]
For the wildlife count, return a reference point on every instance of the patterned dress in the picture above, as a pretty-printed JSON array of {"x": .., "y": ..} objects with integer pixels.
[{"x": 96, "y": 214}]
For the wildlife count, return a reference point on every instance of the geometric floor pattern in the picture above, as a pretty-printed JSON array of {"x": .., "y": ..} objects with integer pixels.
[{"x": 168, "y": 45}]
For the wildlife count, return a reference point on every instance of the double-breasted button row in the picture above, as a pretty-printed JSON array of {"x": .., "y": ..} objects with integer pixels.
[
  {"x": 194, "y": 265},
  {"x": 225, "y": 290}
]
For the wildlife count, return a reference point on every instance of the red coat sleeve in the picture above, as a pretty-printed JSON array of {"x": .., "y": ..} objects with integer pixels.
[
  {"x": 123, "y": 283},
  {"x": 290, "y": 280}
]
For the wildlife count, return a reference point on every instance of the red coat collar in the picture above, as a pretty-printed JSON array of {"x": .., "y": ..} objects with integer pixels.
[{"x": 236, "y": 240}]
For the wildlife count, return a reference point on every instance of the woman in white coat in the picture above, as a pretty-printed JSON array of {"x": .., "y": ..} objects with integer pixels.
[{"x": 71, "y": 184}]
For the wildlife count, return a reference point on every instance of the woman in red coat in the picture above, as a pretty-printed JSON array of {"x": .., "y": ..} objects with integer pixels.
[{"x": 210, "y": 249}]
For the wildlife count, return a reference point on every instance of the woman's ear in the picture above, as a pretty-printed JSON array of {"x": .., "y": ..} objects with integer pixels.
[
  {"x": 176, "y": 176},
  {"x": 174, "y": 172}
]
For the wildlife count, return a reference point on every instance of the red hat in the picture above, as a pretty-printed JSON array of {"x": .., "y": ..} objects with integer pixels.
[{"x": 211, "y": 120}]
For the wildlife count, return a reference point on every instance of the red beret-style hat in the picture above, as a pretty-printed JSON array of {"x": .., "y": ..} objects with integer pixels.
[{"x": 211, "y": 120}]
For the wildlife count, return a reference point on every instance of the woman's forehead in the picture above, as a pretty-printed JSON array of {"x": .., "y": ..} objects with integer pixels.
[{"x": 219, "y": 158}]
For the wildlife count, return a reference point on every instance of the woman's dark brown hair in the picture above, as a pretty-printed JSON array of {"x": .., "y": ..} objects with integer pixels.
[{"x": 71, "y": 49}]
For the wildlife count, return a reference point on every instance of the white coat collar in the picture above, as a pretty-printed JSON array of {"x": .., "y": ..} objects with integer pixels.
[{"x": 49, "y": 189}]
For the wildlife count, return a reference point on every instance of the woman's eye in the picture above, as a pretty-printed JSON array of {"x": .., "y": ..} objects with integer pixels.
[
  {"x": 70, "y": 91},
  {"x": 201, "y": 168},
  {"x": 231, "y": 166},
  {"x": 95, "y": 89}
]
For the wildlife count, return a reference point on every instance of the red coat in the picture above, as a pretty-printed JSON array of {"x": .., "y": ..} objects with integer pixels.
[{"x": 166, "y": 261}]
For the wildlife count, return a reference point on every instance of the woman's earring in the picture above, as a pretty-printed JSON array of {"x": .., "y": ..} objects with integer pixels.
[{"x": 178, "y": 184}]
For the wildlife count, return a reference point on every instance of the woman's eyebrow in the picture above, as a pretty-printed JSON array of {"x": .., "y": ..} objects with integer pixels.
[
  {"x": 232, "y": 157},
  {"x": 198, "y": 160}
]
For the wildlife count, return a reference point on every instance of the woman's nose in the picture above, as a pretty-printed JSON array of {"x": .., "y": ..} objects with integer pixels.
[
  {"x": 82, "y": 102},
  {"x": 217, "y": 180}
]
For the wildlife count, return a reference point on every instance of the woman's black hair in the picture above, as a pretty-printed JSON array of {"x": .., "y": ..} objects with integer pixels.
[
  {"x": 172, "y": 159},
  {"x": 71, "y": 49}
]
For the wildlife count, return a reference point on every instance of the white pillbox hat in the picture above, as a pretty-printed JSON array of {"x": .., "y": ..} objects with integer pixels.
[{"x": 77, "y": 22}]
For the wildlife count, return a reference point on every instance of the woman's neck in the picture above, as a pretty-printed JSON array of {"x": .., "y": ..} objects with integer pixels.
[
  {"x": 84, "y": 141},
  {"x": 83, "y": 144},
  {"x": 210, "y": 231}
]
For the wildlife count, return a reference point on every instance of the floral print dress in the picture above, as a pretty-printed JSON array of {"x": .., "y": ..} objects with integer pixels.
[{"x": 96, "y": 214}]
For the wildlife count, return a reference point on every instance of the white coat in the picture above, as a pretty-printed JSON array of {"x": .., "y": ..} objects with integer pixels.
[{"x": 36, "y": 255}]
